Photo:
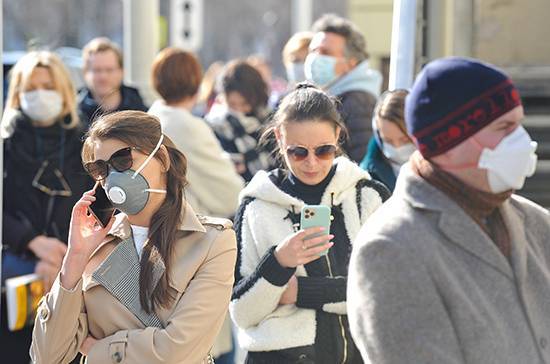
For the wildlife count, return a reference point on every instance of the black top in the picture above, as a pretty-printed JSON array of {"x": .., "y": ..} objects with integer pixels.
[
  {"x": 310, "y": 194},
  {"x": 28, "y": 211},
  {"x": 356, "y": 108},
  {"x": 90, "y": 109}
]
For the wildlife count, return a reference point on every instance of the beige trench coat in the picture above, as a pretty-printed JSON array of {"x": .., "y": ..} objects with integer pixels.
[{"x": 105, "y": 303}]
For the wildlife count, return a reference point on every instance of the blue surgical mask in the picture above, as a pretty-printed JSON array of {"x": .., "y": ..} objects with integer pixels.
[
  {"x": 295, "y": 72},
  {"x": 129, "y": 190},
  {"x": 399, "y": 155},
  {"x": 319, "y": 69}
]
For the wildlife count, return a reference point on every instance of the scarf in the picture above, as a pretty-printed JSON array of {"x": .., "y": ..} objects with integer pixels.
[{"x": 482, "y": 207}]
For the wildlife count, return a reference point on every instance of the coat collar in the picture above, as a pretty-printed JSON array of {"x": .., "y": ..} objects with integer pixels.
[
  {"x": 122, "y": 229},
  {"x": 119, "y": 272},
  {"x": 341, "y": 185},
  {"x": 454, "y": 222}
]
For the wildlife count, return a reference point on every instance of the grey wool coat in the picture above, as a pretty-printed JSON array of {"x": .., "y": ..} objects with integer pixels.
[{"x": 427, "y": 285}]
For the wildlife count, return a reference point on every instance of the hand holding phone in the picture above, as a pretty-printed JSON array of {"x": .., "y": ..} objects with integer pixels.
[
  {"x": 315, "y": 216},
  {"x": 102, "y": 208},
  {"x": 85, "y": 236}
]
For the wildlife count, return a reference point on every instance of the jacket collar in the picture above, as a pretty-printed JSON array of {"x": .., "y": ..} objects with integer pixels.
[
  {"x": 361, "y": 78},
  {"x": 454, "y": 222},
  {"x": 122, "y": 229},
  {"x": 119, "y": 272},
  {"x": 341, "y": 185}
]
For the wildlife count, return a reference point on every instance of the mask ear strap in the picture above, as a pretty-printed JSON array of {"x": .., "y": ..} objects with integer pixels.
[
  {"x": 149, "y": 157},
  {"x": 154, "y": 190}
]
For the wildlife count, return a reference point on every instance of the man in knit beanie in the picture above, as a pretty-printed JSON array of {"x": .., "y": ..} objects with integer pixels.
[{"x": 455, "y": 268}]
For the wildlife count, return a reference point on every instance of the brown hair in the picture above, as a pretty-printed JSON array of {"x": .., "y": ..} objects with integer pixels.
[
  {"x": 21, "y": 74},
  {"x": 391, "y": 107},
  {"x": 305, "y": 103},
  {"x": 139, "y": 129},
  {"x": 239, "y": 76},
  {"x": 97, "y": 45},
  {"x": 176, "y": 74},
  {"x": 299, "y": 42}
]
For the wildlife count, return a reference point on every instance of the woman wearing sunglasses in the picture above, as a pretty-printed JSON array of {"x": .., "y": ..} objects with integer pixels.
[
  {"x": 289, "y": 303},
  {"x": 152, "y": 286},
  {"x": 43, "y": 177}
]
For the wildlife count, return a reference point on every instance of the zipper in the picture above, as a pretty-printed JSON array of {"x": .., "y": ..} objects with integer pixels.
[{"x": 342, "y": 330}]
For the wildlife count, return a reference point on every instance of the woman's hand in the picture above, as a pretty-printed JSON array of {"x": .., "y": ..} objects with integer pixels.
[
  {"x": 85, "y": 236},
  {"x": 87, "y": 345},
  {"x": 290, "y": 295},
  {"x": 47, "y": 272},
  {"x": 296, "y": 250},
  {"x": 85, "y": 233},
  {"x": 50, "y": 250}
]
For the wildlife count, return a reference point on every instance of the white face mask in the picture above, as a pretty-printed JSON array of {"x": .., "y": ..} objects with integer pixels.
[
  {"x": 399, "y": 155},
  {"x": 41, "y": 105},
  {"x": 512, "y": 160}
]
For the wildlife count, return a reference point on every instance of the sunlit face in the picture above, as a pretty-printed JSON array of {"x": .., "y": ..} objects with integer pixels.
[
  {"x": 154, "y": 172},
  {"x": 334, "y": 45},
  {"x": 391, "y": 134},
  {"x": 309, "y": 134},
  {"x": 103, "y": 74},
  {"x": 40, "y": 79},
  {"x": 462, "y": 160},
  {"x": 236, "y": 101}
]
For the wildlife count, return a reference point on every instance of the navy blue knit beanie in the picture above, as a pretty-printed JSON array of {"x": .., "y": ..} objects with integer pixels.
[{"x": 454, "y": 98}]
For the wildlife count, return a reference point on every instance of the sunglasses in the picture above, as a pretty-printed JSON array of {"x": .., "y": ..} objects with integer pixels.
[
  {"x": 121, "y": 161},
  {"x": 299, "y": 153}
]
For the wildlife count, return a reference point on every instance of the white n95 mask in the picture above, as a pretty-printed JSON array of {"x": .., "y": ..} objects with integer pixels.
[{"x": 512, "y": 160}]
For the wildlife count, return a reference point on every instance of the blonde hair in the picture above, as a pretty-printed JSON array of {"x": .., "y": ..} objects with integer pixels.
[
  {"x": 20, "y": 76},
  {"x": 297, "y": 43},
  {"x": 98, "y": 45}
]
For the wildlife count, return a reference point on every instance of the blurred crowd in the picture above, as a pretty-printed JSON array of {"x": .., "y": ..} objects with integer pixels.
[{"x": 453, "y": 268}]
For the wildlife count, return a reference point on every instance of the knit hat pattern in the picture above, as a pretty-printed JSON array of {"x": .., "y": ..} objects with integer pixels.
[{"x": 452, "y": 99}]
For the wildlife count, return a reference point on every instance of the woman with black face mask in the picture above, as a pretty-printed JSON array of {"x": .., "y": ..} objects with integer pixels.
[
  {"x": 43, "y": 177},
  {"x": 154, "y": 284}
]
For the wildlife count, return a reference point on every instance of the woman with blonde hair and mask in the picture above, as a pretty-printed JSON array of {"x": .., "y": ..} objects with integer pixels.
[
  {"x": 43, "y": 176},
  {"x": 153, "y": 285}
]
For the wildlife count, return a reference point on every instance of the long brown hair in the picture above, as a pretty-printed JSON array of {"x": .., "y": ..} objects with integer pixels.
[{"x": 142, "y": 130}]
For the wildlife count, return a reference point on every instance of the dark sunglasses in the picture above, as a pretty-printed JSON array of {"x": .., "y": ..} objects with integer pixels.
[
  {"x": 299, "y": 153},
  {"x": 121, "y": 160}
]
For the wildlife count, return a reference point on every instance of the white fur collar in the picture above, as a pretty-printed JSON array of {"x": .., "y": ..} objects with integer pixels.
[{"x": 347, "y": 175}]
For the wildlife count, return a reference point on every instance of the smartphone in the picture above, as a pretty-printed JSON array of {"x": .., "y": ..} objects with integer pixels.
[
  {"x": 102, "y": 208},
  {"x": 315, "y": 216}
]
